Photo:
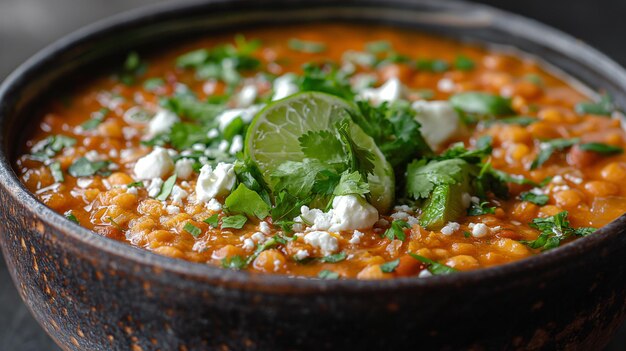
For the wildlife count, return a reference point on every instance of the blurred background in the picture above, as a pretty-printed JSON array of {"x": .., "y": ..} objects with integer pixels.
[{"x": 28, "y": 25}]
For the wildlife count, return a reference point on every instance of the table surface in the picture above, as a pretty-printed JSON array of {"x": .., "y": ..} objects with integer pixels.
[{"x": 28, "y": 25}]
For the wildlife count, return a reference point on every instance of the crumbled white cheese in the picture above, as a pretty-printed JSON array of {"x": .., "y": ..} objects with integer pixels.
[
  {"x": 403, "y": 208},
  {"x": 246, "y": 115},
  {"x": 184, "y": 168},
  {"x": 450, "y": 228},
  {"x": 248, "y": 244},
  {"x": 400, "y": 216},
  {"x": 258, "y": 237},
  {"x": 412, "y": 221},
  {"x": 154, "y": 188},
  {"x": 214, "y": 205},
  {"x": 352, "y": 212},
  {"x": 356, "y": 237},
  {"x": 424, "y": 274},
  {"x": 162, "y": 122},
  {"x": 315, "y": 217},
  {"x": 247, "y": 95},
  {"x": 178, "y": 195},
  {"x": 132, "y": 190},
  {"x": 236, "y": 145},
  {"x": 284, "y": 86},
  {"x": 301, "y": 255},
  {"x": 171, "y": 209},
  {"x": 445, "y": 85},
  {"x": 439, "y": 121},
  {"x": 215, "y": 182},
  {"x": 327, "y": 243},
  {"x": 84, "y": 182},
  {"x": 156, "y": 164},
  {"x": 479, "y": 230},
  {"x": 213, "y": 133},
  {"x": 264, "y": 227},
  {"x": 93, "y": 156},
  {"x": 391, "y": 91},
  {"x": 277, "y": 264}
]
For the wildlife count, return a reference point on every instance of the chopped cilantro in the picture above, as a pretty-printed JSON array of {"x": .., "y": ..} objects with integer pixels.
[
  {"x": 474, "y": 106},
  {"x": 153, "y": 84},
  {"x": 328, "y": 275},
  {"x": 464, "y": 63},
  {"x": 435, "y": 66},
  {"x": 166, "y": 188},
  {"x": 248, "y": 202},
  {"x": 390, "y": 266},
  {"x": 396, "y": 231},
  {"x": 554, "y": 230},
  {"x": 338, "y": 257},
  {"x": 309, "y": 47},
  {"x": 191, "y": 108},
  {"x": 547, "y": 148},
  {"x": 50, "y": 146},
  {"x": 520, "y": 120},
  {"x": 537, "y": 199},
  {"x": 601, "y": 148},
  {"x": 376, "y": 47},
  {"x": 57, "y": 172},
  {"x": 133, "y": 67},
  {"x": 360, "y": 159},
  {"x": 604, "y": 107},
  {"x": 434, "y": 267},
  {"x": 327, "y": 79},
  {"x": 69, "y": 215},
  {"x": 236, "y": 221},
  {"x": 82, "y": 167},
  {"x": 212, "y": 221},
  {"x": 138, "y": 184},
  {"x": 235, "y": 262},
  {"x": 192, "y": 229},
  {"x": 96, "y": 119},
  {"x": 351, "y": 183},
  {"x": 479, "y": 209}
]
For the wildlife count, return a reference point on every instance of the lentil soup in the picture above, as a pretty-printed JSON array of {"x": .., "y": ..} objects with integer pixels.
[{"x": 331, "y": 151}]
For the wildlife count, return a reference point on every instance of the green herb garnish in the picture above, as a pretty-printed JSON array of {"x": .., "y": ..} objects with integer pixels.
[
  {"x": 328, "y": 275},
  {"x": 604, "y": 107},
  {"x": 549, "y": 147},
  {"x": 235, "y": 262},
  {"x": 192, "y": 229},
  {"x": 236, "y": 221},
  {"x": 166, "y": 188},
  {"x": 212, "y": 221},
  {"x": 537, "y": 199},
  {"x": 309, "y": 47},
  {"x": 338, "y": 257},
  {"x": 601, "y": 148},
  {"x": 57, "y": 173},
  {"x": 396, "y": 230},
  {"x": 554, "y": 230},
  {"x": 434, "y": 267},
  {"x": 82, "y": 167},
  {"x": 69, "y": 215},
  {"x": 390, "y": 266},
  {"x": 464, "y": 63}
]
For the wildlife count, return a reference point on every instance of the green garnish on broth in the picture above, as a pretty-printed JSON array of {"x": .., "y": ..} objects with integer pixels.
[
  {"x": 553, "y": 230},
  {"x": 166, "y": 188},
  {"x": 192, "y": 229}
]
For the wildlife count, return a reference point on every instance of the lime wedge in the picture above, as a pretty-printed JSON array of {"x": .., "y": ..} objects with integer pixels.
[{"x": 272, "y": 138}]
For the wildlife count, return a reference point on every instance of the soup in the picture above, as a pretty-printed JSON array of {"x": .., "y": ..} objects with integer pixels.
[{"x": 330, "y": 151}]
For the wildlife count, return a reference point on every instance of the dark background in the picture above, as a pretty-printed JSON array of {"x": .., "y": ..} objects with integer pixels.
[{"x": 28, "y": 25}]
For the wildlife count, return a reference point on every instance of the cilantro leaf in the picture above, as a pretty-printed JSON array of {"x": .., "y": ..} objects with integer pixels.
[
  {"x": 338, "y": 257},
  {"x": 604, "y": 107},
  {"x": 235, "y": 262},
  {"x": 133, "y": 68},
  {"x": 434, "y": 267},
  {"x": 212, "y": 221},
  {"x": 479, "y": 209},
  {"x": 396, "y": 230},
  {"x": 423, "y": 176},
  {"x": 549, "y": 147},
  {"x": 57, "y": 172},
  {"x": 96, "y": 119},
  {"x": 322, "y": 145},
  {"x": 50, "y": 146},
  {"x": 192, "y": 229},
  {"x": 554, "y": 230},
  {"x": 236, "y": 221},
  {"x": 351, "y": 183},
  {"x": 189, "y": 107},
  {"x": 82, "y": 167},
  {"x": 519, "y": 120},
  {"x": 309, "y": 47},
  {"x": 537, "y": 199},
  {"x": 69, "y": 215},
  {"x": 601, "y": 148},
  {"x": 360, "y": 159},
  {"x": 390, "y": 266},
  {"x": 248, "y": 174},
  {"x": 328, "y": 275},
  {"x": 474, "y": 106},
  {"x": 248, "y": 202},
  {"x": 435, "y": 65},
  {"x": 166, "y": 188},
  {"x": 464, "y": 63},
  {"x": 287, "y": 207},
  {"x": 327, "y": 79}
]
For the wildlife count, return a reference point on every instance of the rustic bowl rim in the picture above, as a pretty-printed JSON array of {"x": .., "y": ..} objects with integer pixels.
[{"x": 535, "y": 30}]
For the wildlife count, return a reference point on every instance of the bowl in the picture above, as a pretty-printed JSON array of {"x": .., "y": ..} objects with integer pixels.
[{"x": 92, "y": 293}]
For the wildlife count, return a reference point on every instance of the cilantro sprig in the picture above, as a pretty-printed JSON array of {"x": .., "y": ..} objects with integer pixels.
[{"x": 554, "y": 230}]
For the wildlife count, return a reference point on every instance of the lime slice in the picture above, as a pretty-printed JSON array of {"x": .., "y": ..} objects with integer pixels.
[{"x": 272, "y": 138}]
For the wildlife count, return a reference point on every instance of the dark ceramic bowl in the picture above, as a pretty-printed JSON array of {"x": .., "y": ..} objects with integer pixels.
[{"x": 92, "y": 293}]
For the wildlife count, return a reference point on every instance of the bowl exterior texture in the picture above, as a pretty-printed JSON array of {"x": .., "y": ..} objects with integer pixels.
[{"x": 90, "y": 293}]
